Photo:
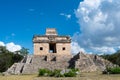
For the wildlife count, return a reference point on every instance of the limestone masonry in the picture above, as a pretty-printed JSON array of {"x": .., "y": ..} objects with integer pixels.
[
  {"x": 52, "y": 51},
  {"x": 51, "y": 43}
]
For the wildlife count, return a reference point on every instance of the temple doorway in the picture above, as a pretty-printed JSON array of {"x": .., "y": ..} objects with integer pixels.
[{"x": 52, "y": 47}]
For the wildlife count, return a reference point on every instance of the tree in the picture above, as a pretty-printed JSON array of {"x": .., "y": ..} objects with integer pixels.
[
  {"x": 24, "y": 51},
  {"x": 8, "y": 58},
  {"x": 114, "y": 58},
  {"x": 3, "y": 49}
]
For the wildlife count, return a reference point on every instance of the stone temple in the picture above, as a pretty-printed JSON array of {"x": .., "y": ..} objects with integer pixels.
[
  {"x": 52, "y": 44},
  {"x": 53, "y": 51}
]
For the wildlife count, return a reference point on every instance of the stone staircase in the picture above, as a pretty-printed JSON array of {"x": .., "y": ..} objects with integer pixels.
[
  {"x": 85, "y": 62},
  {"x": 19, "y": 68},
  {"x": 39, "y": 62},
  {"x": 16, "y": 68},
  {"x": 89, "y": 62},
  {"x": 11, "y": 70},
  {"x": 31, "y": 64}
]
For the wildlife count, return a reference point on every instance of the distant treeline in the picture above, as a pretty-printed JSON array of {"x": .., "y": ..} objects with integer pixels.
[{"x": 114, "y": 58}]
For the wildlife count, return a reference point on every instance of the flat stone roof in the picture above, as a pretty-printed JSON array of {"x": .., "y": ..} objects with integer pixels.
[{"x": 51, "y": 34}]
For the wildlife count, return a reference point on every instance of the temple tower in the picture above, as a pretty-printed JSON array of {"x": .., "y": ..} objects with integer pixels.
[{"x": 51, "y": 43}]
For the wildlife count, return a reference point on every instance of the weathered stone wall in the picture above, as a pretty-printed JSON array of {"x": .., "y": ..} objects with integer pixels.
[
  {"x": 37, "y": 50},
  {"x": 44, "y": 37},
  {"x": 60, "y": 38},
  {"x": 60, "y": 47},
  {"x": 41, "y": 38},
  {"x": 45, "y": 46},
  {"x": 89, "y": 62},
  {"x": 51, "y": 31},
  {"x": 51, "y": 43}
]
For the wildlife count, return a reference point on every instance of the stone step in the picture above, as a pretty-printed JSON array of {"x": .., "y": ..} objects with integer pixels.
[
  {"x": 34, "y": 67},
  {"x": 11, "y": 70},
  {"x": 19, "y": 68}
]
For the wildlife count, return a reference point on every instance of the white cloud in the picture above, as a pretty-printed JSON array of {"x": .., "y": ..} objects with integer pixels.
[
  {"x": 99, "y": 22},
  {"x": 118, "y": 47},
  {"x": 75, "y": 48},
  {"x": 13, "y": 34},
  {"x": 2, "y": 43},
  {"x": 93, "y": 4},
  {"x": 68, "y": 16},
  {"x": 31, "y": 10},
  {"x": 104, "y": 49},
  {"x": 11, "y": 46}
]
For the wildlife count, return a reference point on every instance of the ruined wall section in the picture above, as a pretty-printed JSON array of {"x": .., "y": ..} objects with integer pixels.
[
  {"x": 90, "y": 62},
  {"x": 42, "y": 45},
  {"x": 63, "y": 48},
  {"x": 41, "y": 48}
]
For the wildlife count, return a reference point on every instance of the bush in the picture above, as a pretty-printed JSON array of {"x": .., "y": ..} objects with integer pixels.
[
  {"x": 75, "y": 70},
  {"x": 115, "y": 70},
  {"x": 70, "y": 74},
  {"x": 58, "y": 73},
  {"x": 44, "y": 72}
]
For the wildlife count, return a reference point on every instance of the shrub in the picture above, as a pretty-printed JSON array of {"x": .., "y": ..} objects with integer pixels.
[
  {"x": 58, "y": 73},
  {"x": 70, "y": 74},
  {"x": 115, "y": 70},
  {"x": 44, "y": 72},
  {"x": 75, "y": 70}
]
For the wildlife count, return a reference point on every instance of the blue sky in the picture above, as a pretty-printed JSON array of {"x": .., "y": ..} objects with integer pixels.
[
  {"x": 21, "y": 19},
  {"x": 92, "y": 24}
]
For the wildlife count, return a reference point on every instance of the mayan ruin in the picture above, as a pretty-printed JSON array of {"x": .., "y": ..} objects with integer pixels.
[
  {"x": 52, "y": 44},
  {"x": 53, "y": 51},
  {"x": 60, "y": 40}
]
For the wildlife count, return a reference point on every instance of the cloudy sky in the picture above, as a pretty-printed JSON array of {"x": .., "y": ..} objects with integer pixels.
[{"x": 92, "y": 24}]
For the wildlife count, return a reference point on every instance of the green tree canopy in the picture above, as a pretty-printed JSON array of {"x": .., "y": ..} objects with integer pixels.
[
  {"x": 24, "y": 51},
  {"x": 114, "y": 58},
  {"x": 8, "y": 58}
]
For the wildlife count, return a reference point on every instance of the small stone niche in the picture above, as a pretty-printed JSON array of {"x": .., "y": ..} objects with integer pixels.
[{"x": 53, "y": 59}]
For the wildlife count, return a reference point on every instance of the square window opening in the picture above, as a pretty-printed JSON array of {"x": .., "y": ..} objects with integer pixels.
[
  {"x": 41, "y": 48},
  {"x": 63, "y": 48}
]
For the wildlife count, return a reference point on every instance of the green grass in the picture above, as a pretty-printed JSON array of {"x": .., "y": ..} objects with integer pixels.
[
  {"x": 82, "y": 76},
  {"x": 18, "y": 77}
]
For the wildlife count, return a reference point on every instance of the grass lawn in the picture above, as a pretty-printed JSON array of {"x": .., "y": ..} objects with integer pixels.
[
  {"x": 82, "y": 76},
  {"x": 17, "y": 77}
]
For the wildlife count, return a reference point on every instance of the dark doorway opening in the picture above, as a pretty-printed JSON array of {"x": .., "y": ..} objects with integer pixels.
[{"x": 52, "y": 48}]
